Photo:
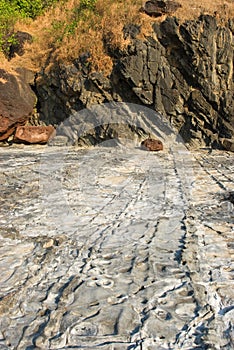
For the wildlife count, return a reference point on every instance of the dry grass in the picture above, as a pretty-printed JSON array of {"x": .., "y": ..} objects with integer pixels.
[
  {"x": 191, "y": 9},
  {"x": 52, "y": 43}
]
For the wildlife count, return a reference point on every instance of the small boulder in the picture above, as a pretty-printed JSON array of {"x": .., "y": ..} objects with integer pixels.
[
  {"x": 228, "y": 144},
  {"x": 152, "y": 145},
  {"x": 156, "y": 8},
  {"x": 34, "y": 134}
]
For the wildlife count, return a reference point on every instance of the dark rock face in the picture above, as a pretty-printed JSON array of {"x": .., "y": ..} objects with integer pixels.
[
  {"x": 184, "y": 71},
  {"x": 17, "y": 101},
  {"x": 152, "y": 145},
  {"x": 157, "y": 8}
]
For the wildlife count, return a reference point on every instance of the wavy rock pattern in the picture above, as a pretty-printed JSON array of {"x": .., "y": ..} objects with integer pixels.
[{"x": 116, "y": 249}]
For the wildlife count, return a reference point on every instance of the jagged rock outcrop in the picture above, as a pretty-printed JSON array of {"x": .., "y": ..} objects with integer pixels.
[
  {"x": 17, "y": 101},
  {"x": 183, "y": 71}
]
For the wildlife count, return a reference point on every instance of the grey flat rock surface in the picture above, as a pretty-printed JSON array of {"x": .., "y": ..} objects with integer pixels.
[{"x": 116, "y": 248}]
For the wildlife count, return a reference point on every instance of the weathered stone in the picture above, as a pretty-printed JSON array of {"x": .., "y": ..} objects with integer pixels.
[
  {"x": 228, "y": 144},
  {"x": 116, "y": 248},
  {"x": 152, "y": 145},
  {"x": 58, "y": 140},
  {"x": 8, "y": 125},
  {"x": 131, "y": 31},
  {"x": 158, "y": 8},
  {"x": 185, "y": 87},
  {"x": 34, "y": 134},
  {"x": 183, "y": 72},
  {"x": 17, "y": 101},
  {"x": 112, "y": 121}
]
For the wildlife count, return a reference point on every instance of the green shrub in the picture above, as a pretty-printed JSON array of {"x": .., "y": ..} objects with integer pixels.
[
  {"x": 87, "y": 4},
  {"x": 8, "y": 17},
  {"x": 12, "y": 10},
  {"x": 8, "y": 14},
  {"x": 29, "y": 8},
  {"x": 32, "y": 8}
]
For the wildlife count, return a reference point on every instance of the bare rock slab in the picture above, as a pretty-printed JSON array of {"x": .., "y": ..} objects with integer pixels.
[{"x": 116, "y": 248}]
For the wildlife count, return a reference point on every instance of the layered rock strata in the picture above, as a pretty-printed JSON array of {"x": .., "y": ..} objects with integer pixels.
[{"x": 184, "y": 71}]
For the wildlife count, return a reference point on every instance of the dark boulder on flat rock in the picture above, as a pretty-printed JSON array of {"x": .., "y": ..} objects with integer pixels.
[
  {"x": 152, "y": 145},
  {"x": 156, "y": 8}
]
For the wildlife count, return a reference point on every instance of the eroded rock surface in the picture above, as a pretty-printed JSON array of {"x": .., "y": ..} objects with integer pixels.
[
  {"x": 116, "y": 248},
  {"x": 34, "y": 134},
  {"x": 157, "y": 8},
  {"x": 152, "y": 145},
  {"x": 17, "y": 101},
  {"x": 184, "y": 71}
]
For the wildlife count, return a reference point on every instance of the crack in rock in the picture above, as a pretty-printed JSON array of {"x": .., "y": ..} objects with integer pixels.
[{"x": 134, "y": 251}]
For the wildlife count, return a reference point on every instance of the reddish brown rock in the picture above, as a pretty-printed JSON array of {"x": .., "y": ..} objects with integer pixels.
[
  {"x": 152, "y": 145},
  {"x": 8, "y": 125},
  {"x": 17, "y": 101},
  {"x": 34, "y": 134}
]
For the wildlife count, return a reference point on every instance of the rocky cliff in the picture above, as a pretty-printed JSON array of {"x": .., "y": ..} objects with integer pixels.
[{"x": 183, "y": 71}]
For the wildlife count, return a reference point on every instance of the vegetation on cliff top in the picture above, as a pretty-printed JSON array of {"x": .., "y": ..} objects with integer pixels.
[{"x": 64, "y": 29}]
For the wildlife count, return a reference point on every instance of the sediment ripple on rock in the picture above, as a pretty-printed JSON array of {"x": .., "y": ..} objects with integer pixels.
[{"x": 116, "y": 249}]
